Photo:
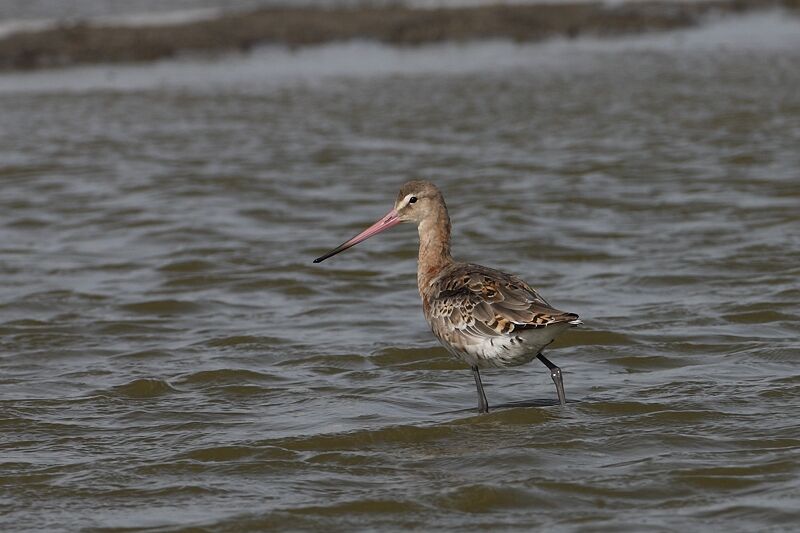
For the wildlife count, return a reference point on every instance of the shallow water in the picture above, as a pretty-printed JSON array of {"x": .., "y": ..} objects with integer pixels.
[{"x": 172, "y": 358}]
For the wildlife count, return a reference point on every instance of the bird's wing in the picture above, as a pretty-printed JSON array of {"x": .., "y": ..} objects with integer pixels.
[{"x": 478, "y": 302}]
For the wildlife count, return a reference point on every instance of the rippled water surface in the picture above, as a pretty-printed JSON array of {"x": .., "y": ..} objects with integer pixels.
[{"x": 172, "y": 358}]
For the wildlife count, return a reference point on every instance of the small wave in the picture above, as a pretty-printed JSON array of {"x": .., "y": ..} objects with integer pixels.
[
  {"x": 486, "y": 498},
  {"x": 236, "y": 453},
  {"x": 121, "y": 327},
  {"x": 433, "y": 358},
  {"x": 759, "y": 317},
  {"x": 625, "y": 408},
  {"x": 237, "y": 341},
  {"x": 162, "y": 307},
  {"x": 735, "y": 477},
  {"x": 358, "y": 440},
  {"x": 144, "y": 388},
  {"x": 192, "y": 265},
  {"x": 647, "y": 362},
  {"x": 361, "y": 506},
  {"x": 227, "y": 376},
  {"x": 590, "y": 337}
]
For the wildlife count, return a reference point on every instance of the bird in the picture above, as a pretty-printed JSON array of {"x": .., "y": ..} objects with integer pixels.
[{"x": 483, "y": 317}]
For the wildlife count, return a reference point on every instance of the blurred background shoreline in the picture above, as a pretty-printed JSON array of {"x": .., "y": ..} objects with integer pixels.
[{"x": 92, "y": 32}]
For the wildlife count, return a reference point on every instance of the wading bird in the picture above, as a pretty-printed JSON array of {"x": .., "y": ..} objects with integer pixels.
[{"x": 483, "y": 317}]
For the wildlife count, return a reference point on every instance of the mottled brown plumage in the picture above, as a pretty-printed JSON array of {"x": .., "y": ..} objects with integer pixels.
[
  {"x": 482, "y": 316},
  {"x": 471, "y": 306}
]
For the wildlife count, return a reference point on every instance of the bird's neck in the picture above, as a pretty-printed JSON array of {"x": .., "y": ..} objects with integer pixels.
[{"x": 434, "y": 246}]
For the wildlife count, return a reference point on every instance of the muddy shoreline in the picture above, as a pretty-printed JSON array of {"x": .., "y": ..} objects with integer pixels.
[{"x": 83, "y": 43}]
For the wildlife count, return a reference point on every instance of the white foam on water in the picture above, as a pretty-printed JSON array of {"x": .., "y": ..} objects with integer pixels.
[
  {"x": 278, "y": 66},
  {"x": 168, "y": 18},
  {"x": 9, "y": 27},
  {"x": 157, "y": 19}
]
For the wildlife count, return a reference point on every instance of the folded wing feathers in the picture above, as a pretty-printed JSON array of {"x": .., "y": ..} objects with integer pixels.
[{"x": 481, "y": 302}]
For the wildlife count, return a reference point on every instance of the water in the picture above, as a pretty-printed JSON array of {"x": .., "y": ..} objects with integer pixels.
[{"x": 171, "y": 358}]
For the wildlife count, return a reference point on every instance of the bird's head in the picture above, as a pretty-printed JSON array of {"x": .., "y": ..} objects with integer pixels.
[{"x": 416, "y": 200}]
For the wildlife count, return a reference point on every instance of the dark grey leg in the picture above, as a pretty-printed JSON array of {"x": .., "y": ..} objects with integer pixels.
[
  {"x": 483, "y": 405},
  {"x": 555, "y": 373}
]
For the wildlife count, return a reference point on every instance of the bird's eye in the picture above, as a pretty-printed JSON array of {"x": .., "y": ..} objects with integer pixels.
[{"x": 412, "y": 200}]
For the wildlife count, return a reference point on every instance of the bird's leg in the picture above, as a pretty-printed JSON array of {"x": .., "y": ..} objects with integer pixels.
[
  {"x": 483, "y": 405},
  {"x": 555, "y": 373}
]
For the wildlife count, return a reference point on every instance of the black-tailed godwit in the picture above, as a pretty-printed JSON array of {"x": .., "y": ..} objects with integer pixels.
[{"x": 483, "y": 317}]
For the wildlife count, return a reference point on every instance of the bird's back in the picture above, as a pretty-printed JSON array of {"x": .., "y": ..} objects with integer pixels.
[{"x": 486, "y": 317}]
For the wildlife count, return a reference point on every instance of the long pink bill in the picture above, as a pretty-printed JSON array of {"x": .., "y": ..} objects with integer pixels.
[{"x": 389, "y": 220}]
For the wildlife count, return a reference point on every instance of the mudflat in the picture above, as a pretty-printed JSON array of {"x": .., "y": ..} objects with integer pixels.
[{"x": 81, "y": 43}]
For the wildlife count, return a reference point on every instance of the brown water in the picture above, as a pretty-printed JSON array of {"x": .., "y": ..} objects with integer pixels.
[{"x": 171, "y": 358}]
